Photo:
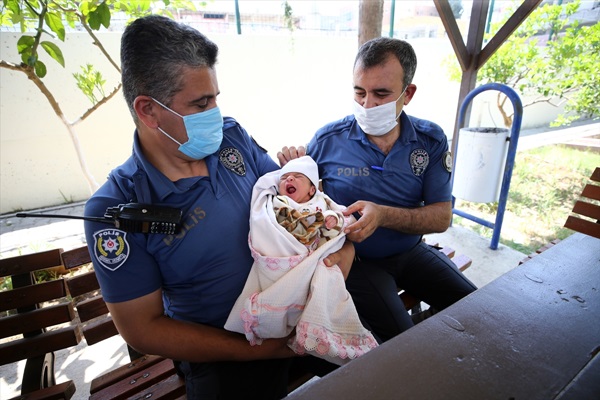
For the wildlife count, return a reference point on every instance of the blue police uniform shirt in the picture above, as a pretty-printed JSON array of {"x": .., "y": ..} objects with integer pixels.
[
  {"x": 203, "y": 268},
  {"x": 416, "y": 172}
]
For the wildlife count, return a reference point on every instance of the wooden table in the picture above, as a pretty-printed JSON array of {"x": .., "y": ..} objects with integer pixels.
[{"x": 533, "y": 333}]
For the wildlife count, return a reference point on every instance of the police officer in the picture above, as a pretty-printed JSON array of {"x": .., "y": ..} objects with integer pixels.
[
  {"x": 394, "y": 171},
  {"x": 170, "y": 295}
]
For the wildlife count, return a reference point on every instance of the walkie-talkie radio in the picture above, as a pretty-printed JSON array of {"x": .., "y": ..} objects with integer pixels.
[
  {"x": 136, "y": 217},
  {"x": 132, "y": 217}
]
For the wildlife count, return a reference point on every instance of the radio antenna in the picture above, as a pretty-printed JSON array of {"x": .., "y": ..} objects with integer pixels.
[{"x": 94, "y": 219}]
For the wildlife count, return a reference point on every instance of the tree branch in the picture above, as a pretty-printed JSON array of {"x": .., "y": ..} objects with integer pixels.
[
  {"x": 97, "y": 42},
  {"x": 507, "y": 120},
  {"x": 98, "y": 104},
  {"x": 40, "y": 29},
  {"x": 31, "y": 8},
  {"x": 29, "y": 72}
]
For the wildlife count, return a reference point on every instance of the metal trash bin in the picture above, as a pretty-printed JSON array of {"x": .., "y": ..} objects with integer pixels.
[{"x": 480, "y": 162}]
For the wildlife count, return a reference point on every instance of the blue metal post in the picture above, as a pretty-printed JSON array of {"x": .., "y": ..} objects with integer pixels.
[
  {"x": 392, "y": 15},
  {"x": 238, "y": 22},
  {"x": 510, "y": 157}
]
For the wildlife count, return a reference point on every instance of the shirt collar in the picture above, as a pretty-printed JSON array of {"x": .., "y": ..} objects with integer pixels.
[{"x": 149, "y": 177}]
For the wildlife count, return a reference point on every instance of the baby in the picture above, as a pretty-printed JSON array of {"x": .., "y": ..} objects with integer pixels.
[
  {"x": 302, "y": 209},
  {"x": 293, "y": 228}
]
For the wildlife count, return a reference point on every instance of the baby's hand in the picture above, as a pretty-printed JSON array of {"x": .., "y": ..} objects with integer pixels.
[{"x": 330, "y": 222}]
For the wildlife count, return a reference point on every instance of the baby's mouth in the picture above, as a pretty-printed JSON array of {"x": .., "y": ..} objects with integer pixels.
[{"x": 290, "y": 189}]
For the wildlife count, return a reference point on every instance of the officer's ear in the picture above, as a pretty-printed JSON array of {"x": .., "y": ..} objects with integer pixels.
[
  {"x": 409, "y": 93},
  {"x": 146, "y": 110}
]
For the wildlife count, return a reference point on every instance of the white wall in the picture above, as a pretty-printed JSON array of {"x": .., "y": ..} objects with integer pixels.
[{"x": 280, "y": 88}]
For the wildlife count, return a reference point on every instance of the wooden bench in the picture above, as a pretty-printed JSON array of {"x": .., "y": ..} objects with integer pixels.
[
  {"x": 33, "y": 328},
  {"x": 146, "y": 377},
  {"x": 461, "y": 261},
  {"x": 586, "y": 212}
]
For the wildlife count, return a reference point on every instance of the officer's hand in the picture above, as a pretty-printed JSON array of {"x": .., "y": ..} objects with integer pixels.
[
  {"x": 343, "y": 258},
  {"x": 289, "y": 153},
  {"x": 276, "y": 348},
  {"x": 370, "y": 219}
]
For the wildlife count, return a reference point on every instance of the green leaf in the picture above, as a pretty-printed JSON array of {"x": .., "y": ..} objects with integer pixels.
[
  {"x": 94, "y": 20},
  {"x": 27, "y": 58},
  {"x": 30, "y": 60},
  {"x": 90, "y": 82},
  {"x": 85, "y": 7},
  {"x": 25, "y": 42},
  {"x": 40, "y": 69},
  {"x": 54, "y": 22},
  {"x": 54, "y": 52},
  {"x": 100, "y": 16},
  {"x": 104, "y": 13},
  {"x": 13, "y": 5}
]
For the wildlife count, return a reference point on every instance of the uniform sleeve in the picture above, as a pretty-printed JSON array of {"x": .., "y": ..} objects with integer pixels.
[
  {"x": 124, "y": 268},
  {"x": 437, "y": 183}
]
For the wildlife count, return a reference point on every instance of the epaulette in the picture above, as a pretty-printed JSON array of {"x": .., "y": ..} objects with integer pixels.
[
  {"x": 334, "y": 128},
  {"x": 258, "y": 145},
  {"x": 428, "y": 128}
]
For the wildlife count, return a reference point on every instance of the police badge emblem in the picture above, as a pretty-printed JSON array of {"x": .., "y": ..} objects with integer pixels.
[
  {"x": 419, "y": 160},
  {"x": 111, "y": 248},
  {"x": 232, "y": 159}
]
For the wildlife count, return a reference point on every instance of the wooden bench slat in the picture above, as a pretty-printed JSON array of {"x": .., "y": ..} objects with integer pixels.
[
  {"x": 462, "y": 262},
  {"x": 591, "y": 192},
  {"x": 596, "y": 175},
  {"x": 75, "y": 258},
  {"x": 123, "y": 372},
  {"x": 99, "y": 330},
  {"x": 30, "y": 262},
  {"x": 172, "y": 387},
  {"x": 60, "y": 391},
  {"x": 583, "y": 226},
  {"x": 36, "y": 320},
  {"x": 587, "y": 209},
  {"x": 82, "y": 284},
  {"x": 31, "y": 295},
  {"x": 131, "y": 385},
  {"x": 92, "y": 308},
  {"x": 38, "y": 345},
  {"x": 448, "y": 251}
]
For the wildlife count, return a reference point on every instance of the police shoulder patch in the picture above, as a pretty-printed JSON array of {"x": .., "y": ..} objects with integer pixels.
[
  {"x": 111, "y": 248},
  {"x": 447, "y": 161},
  {"x": 232, "y": 159}
]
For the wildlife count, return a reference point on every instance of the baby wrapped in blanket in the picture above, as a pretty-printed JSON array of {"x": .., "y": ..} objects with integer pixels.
[{"x": 293, "y": 227}]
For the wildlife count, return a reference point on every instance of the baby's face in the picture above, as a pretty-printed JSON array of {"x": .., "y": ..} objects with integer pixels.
[{"x": 297, "y": 186}]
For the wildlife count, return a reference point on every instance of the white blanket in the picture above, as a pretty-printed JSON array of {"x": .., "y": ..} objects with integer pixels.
[{"x": 288, "y": 288}]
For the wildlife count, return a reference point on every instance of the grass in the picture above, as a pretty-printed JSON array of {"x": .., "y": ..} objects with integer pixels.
[{"x": 545, "y": 184}]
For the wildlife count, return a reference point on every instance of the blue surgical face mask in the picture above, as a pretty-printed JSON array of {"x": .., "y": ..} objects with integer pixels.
[{"x": 204, "y": 131}]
